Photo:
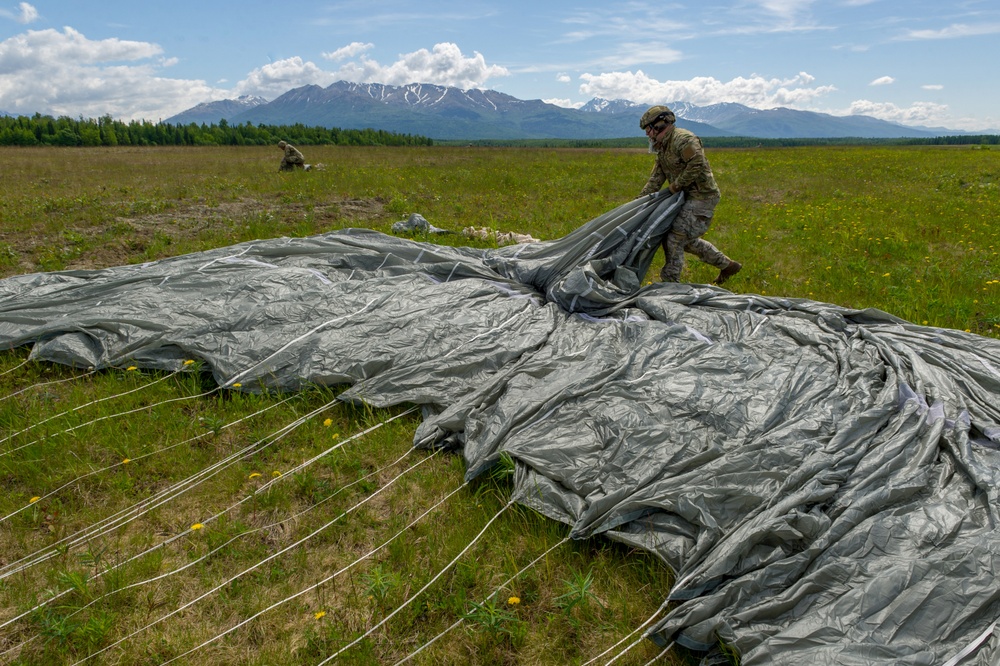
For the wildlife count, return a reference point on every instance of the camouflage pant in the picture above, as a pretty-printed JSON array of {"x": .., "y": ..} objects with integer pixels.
[
  {"x": 685, "y": 236},
  {"x": 291, "y": 164}
]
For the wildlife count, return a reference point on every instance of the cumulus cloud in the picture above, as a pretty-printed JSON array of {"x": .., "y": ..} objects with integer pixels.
[
  {"x": 756, "y": 91},
  {"x": 563, "y": 78},
  {"x": 350, "y": 51},
  {"x": 565, "y": 103},
  {"x": 882, "y": 81},
  {"x": 64, "y": 73},
  {"x": 920, "y": 113},
  {"x": 280, "y": 76},
  {"x": 444, "y": 65}
]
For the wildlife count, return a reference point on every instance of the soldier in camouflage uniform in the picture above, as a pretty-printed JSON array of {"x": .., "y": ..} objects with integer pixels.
[
  {"x": 293, "y": 159},
  {"x": 681, "y": 161}
]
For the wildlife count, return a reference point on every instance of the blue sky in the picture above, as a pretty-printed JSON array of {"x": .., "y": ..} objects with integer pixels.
[{"x": 909, "y": 61}]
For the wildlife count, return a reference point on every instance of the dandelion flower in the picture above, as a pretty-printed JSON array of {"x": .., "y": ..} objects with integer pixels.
[
  {"x": 131, "y": 368},
  {"x": 126, "y": 461},
  {"x": 34, "y": 499},
  {"x": 328, "y": 423},
  {"x": 197, "y": 526},
  {"x": 335, "y": 435},
  {"x": 886, "y": 274},
  {"x": 275, "y": 473},
  {"x": 188, "y": 362},
  {"x": 254, "y": 475},
  {"x": 513, "y": 601},
  {"x": 237, "y": 385},
  {"x": 319, "y": 615}
]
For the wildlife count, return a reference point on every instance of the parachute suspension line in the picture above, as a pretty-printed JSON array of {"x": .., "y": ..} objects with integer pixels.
[
  {"x": 125, "y": 516},
  {"x": 40, "y": 385},
  {"x": 627, "y": 648},
  {"x": 421, "y": 590},
  {"x": 19, "y": 365},
  {"x": 657, "y": 657},
  {"x": 111, "y": 416},
  {"x": 258, "y": 564},
  {"x": 495, "y": 592},
  {"x": 328, "y": 578},
  {"x": 85, "y": 405},
  {"x": 298, "y": 468},
  {"x": 144, "y": 456},
  {"x": 629, "y": 635},
  {"x": 188, "y": 531}
]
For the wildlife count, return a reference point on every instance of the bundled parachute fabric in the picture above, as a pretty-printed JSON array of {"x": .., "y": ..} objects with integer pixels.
[{"x": 823, "y": 480}]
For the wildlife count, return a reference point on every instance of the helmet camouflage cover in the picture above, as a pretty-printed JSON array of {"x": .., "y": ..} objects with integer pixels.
[{"x": 655, "y": 114}]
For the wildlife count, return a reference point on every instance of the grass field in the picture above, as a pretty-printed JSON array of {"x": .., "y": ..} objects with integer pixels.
[{"x": 108, "y": 555}]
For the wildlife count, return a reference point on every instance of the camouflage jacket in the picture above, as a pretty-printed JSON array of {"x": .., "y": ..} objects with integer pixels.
[
  {"x": 681, "y": 161},
  {"x": 292, "y": 154}
]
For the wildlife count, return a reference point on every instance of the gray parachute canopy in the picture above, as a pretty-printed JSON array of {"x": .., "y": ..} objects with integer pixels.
[{"x": 822, "y": 480}]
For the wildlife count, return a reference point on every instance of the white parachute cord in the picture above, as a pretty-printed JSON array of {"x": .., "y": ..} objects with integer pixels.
[
  {"x": 421, "y": 590},
  {"x": 627, "y": 648},
  {"x": 126, "y": 516},
  {"x": 629, "y": 635},
  {"x": 143, "y": 456},
  {"x": 251, "y": 568},
  {"x": 40, "y": 385},
  {"x": 84, "y": 406},
  {"x": 111, "y": 416},
  {"x": 495, "y": 592},
  {"x": 9, "y": 370},
  {"x": 162, "y": 543},
  {"x": 325, "y": 580},
  {"x": 657, "y": 657},
  {"x": 203, "y": 557},
  {"x": 298, "y": 468}
]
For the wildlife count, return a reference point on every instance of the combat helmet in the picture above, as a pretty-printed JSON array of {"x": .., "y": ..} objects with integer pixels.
[{"x": 655, "y": 114}]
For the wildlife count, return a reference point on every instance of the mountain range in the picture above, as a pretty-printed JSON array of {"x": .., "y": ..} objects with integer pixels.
[{"x": 447, "y": 113}]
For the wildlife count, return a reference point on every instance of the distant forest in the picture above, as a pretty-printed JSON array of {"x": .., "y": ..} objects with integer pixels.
[{"x": 39, "y": 130}]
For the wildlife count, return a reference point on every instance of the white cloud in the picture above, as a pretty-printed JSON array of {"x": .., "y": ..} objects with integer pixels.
[
  {"x": 882, "y": 81},
  {"x": 565, "y": 103},
  {"x": 28, "y": 13},
  {"x": 443, "y": 65},
  {"x": 276, "y": 78},
  {"x": 920, "y": 113},
  {"x": 755, "y": 91},
  {"x": 64, "y": 73},
  {"x": 349, "y": 51},
  {"x": 933, "y": 86},
  {"x": 954, "y": 31},
  {"x": 563, "y": 78}
]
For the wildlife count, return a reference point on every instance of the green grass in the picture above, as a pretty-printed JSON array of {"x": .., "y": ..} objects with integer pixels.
[{"x": 908, "y": 230}]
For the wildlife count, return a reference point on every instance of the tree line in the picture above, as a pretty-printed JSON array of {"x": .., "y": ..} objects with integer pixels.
[{"x": 39, "y": 130}]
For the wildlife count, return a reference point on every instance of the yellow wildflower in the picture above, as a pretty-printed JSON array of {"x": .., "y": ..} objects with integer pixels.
[
  {"x": 254, "y": 475},
  {"x": 328, "y": 423},
  {"x": 319, "y": 615},
  {"x": 188, "y": 362},
  {"x": 34, "y": 499},
  {"x": 126, "y": 461},
  {"x": 275, "y": 473},
  {"x": 237, "y": 385},
  {"x": 131, "y": 368},
  {"x": 513, "y": 601},
  {"x": 197, "y": 526}
]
